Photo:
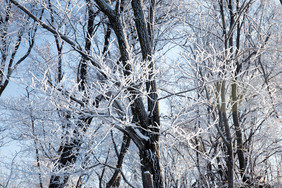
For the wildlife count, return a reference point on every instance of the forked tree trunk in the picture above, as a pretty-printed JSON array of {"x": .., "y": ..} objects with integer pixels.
[
  {"x": 150, "y": 158},
  {"x": 149, "y": 154},
  {"x": 69, "y": 150}
]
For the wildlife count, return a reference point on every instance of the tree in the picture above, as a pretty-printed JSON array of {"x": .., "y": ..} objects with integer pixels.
[
  {"x": 226, "y": 53},
  {"x": 15, "y": 29},
  {"x": 92, "y": 114},
  {"x": 148, "y": 148}
]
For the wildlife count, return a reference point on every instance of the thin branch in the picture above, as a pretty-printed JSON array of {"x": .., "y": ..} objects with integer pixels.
[
  {"x": 182, "y": 92},
  {"x": 74, "y": 45}
]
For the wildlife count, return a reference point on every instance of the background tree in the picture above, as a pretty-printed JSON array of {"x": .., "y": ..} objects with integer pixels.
[
  {"x": 17, "y": 32},
  {"x": 222, "y": 60}
]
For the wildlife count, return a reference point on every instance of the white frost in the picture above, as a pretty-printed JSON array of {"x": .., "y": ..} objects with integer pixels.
[{"x": 141, "y": 135}]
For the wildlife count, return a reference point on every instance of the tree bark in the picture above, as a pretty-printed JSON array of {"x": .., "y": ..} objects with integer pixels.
[
  {"x": 224, "y": 121},
  {"x": 115, "y": 180}
]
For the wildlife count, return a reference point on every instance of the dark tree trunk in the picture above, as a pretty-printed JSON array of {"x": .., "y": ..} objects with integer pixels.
[
  {"x": 149, "y": 154},
  {"x": 68, "y": 154},
  {"x": 150, "y": 160},
  {"x": 115, "y": 180},
  {"x": 223, "y": 120},
  {"x": 71, "y": 146},
  {"x": 229, "y": 149}
]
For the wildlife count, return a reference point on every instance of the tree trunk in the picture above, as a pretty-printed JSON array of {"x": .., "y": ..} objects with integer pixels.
[
  {"x": 224, "y": 121},
  {"x": 70, "y": 149},
  {"x": 239, "y": 139},
  {"x": 150, "y": 160},
  {"x": 149, "y": 154},
  {"x": 115, "y": 180}
]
